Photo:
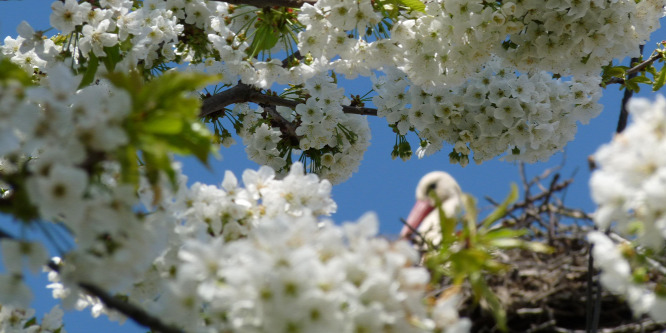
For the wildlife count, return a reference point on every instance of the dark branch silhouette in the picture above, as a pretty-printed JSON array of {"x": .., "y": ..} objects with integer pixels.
[
  {"x": 287, "y": 128},
  {"x": 628, "y": 93},
  {"x": 243, "y": 93},
  {"x": 270, "y": 3},
  {"x": 131, "y": 311}
]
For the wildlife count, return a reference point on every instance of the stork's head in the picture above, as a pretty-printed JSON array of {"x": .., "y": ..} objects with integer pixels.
[{"x": 433, "y": 187}]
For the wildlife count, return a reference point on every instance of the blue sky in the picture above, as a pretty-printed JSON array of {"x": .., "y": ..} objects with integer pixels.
[{"x": 382, "y": 185}]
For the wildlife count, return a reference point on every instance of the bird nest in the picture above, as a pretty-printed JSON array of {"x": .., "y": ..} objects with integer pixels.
[{"x": 556, "y": 292}]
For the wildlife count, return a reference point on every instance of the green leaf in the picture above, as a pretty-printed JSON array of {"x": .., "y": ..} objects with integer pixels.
[
  {"x": 632, "y": 85},
  {"x": 493, "y": 303},
  {"x": 617, "y": 71},
  {"x": 468, "y": 261},
  {"x": 164, "y": 120},
  {"x": 164, "y": 125},
  {"x": 127, "y": 157},
  {"x": 641, "y": 79},
  {"x": 507, "y": 243},
  {"x": 32, "y": 321},
  {"x": 265, "y": 38},
  {"x": 500, "y": 211},
  {"x": 414, "y": 5},
  {"x": 504, "y": 233},
  {"x": 112, "y": 57},
  {"x": 516, "y": 243},
  {"x": 659, "y": 79},
  {"x": 470, "y": 219},
  {"x": 194, "y": 139},
  {"x": 447, "y": 226},
  {"x": 537, "y": 247},
  {"x": 89, "y": 75},
  {"x": 11, "y": 71},
  {"x": 157, "y": 160},
  {"x": 652, "y": 70}
]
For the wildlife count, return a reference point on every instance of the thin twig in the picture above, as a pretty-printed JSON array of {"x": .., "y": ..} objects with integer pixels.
[
  {"x": 634, "y": 70},
  {"x": 414, "y": 232}
]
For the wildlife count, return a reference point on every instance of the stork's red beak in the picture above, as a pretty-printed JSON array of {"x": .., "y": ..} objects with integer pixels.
[{"x": 420, "y": 210}]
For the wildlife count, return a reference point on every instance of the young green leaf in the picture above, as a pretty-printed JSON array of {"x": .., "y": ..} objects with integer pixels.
[
  {"x": 89, "y": 75},
  {"x": 11, "y": 71},
  {"x": 660, "y": 79},
  {"x": 164, "y": 120},
  {"x": 413, "y": 5},
  {"x": 501, "y": 209},
  {"x": 112, "y": 57}
]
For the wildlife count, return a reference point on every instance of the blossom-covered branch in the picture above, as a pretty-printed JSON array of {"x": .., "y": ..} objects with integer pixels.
[
  {"x": 477, "y": 76},
  {"x": 243, "y": 93},
  {"x": 271, "y": 3},
  {"x": 139, "y": 315}
]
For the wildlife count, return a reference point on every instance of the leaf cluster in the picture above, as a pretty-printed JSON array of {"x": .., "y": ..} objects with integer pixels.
[
  {"x": 631, "y": 77},
  {"x": 468, "y": 249},
  {"x": 163, "y": 120}
]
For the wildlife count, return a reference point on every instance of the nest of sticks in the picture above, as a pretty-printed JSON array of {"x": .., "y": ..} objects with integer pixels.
[{"x": 556, "y": 292}]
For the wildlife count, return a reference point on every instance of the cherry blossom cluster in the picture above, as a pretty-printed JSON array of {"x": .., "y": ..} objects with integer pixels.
[
  {"x": 55, "y": 142},
  {"x": 617, "y": 275},
  {"x": 578, "y": 37},
  {"x": 149, "y": 247},
  {"x": 447, "y": 50},
  {"x": 293, "y": 274},
  {"x": 451, "y": 39},
  {"x": 629, "y": 187},
  {"x": 234, "y": 258},
  {"x": 19, "y": 320},
  {"x": 15, "y": 255},
  {"x": 439, "y": 67},
  {"x": 57, "y": 126},
  {"x": 152, "y": 29},
  {"x": 232, "y": 211},
  {"x": 334, "y": 140},
  {"x": 256, "y": 258},
  {"x": 531, "y": 116}
]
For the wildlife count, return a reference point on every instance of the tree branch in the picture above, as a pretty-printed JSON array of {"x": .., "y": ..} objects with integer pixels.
[
  {"x": 243, "y": 93},
  {"x": 296, "y": 56},
  {"x": 4, "y": 234},
  {"x": 628, "y": 93},
  {"x": 270, "y": 3},
  {"x": 286, "y": 127},
  {"x": 634, "y": 70},
  {"x": 129, "y": 310}
]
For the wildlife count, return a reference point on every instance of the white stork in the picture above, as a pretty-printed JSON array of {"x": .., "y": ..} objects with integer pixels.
[{"x": 424, "y": 217}]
